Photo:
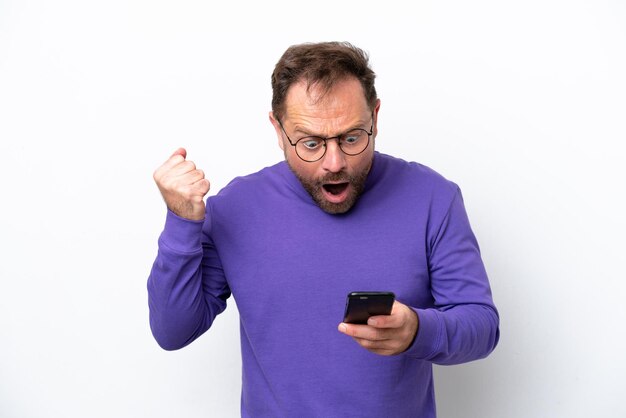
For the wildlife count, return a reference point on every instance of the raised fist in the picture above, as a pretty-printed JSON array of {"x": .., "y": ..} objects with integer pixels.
[{"x": 182, "y": 186}]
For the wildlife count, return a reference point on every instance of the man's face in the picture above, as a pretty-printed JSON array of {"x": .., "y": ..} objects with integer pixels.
[{"x": 337, "y": 179}]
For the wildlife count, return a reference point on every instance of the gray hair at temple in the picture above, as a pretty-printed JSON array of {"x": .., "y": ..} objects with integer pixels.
[{"x": 321, "y": 65}]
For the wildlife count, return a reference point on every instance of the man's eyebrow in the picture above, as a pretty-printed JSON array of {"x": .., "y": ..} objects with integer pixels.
[{"x": 306, "y": 132}]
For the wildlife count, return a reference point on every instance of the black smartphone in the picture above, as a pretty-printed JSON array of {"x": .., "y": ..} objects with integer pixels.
[{"x": 361, "y": 305}]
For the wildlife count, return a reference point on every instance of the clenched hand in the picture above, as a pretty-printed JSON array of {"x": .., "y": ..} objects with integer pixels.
[{"x": 182, "y": 186}]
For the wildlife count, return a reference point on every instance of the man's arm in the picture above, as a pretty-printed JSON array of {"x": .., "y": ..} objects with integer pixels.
[
  {"x": 464, "y": 324},
  {"x": 186, "y": 287}
]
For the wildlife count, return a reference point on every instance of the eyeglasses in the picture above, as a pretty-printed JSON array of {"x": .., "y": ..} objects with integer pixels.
[{"x": 313, "y": 148}]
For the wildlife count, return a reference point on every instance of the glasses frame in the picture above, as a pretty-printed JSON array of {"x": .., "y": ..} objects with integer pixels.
[{"x": 338, "y": 137}]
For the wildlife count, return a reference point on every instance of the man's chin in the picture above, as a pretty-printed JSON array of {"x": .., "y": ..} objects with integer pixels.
[{"x": 335, "y": 208}]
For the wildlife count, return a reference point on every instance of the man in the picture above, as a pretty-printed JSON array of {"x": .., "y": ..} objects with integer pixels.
[{"x": 291, "y": 241}]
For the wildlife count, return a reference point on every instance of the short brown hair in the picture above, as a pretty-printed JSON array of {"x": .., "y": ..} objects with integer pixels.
[{"x": 321, "y": 64}]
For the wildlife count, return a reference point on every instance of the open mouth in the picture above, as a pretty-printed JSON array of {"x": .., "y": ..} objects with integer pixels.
[{"x": 335, "y": 189}]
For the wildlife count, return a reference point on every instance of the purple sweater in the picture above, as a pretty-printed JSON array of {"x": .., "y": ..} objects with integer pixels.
[{"x": 290, "y": 265}]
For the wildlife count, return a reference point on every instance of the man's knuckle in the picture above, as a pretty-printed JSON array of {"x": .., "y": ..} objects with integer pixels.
[{"x": 367, "y": 343}]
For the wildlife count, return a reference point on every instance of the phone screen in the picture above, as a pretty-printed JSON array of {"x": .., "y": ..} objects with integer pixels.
[{"x": 361, "y": 305}]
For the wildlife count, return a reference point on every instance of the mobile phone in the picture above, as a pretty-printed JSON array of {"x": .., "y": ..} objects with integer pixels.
[{"x": 361, "y": 305}]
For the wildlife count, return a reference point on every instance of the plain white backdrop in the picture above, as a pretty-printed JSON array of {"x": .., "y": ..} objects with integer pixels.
[{"x": 523, "y": 104}]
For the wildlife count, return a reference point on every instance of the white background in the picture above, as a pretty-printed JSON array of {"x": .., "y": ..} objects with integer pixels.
[{"x": 522, "y": 103}]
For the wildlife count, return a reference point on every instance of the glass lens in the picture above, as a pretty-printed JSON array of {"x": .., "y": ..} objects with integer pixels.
[
  {"x": 310, "y": 148},
  {"x": 354, "y": 142}
]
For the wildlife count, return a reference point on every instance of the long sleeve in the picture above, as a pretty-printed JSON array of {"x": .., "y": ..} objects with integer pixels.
[
  {"x": 186, "y": 286},
  {"x": 463, "y": 325}
]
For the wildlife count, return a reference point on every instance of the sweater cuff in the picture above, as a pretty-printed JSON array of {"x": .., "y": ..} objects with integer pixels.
[
  {"x": 428, "y": 336},
  {"x": 180, "y": 234}
]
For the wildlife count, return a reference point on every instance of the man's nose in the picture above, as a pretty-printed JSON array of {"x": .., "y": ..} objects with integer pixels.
[{"x": 334, "y": 160}]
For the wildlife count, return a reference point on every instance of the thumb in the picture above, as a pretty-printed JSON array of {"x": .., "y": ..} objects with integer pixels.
[{"x": 180, "y": 151}]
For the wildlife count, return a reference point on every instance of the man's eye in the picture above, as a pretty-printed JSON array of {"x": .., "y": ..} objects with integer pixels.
[
  {"x": 311, "y": 143},
  {"x": 352, "y": 138}
]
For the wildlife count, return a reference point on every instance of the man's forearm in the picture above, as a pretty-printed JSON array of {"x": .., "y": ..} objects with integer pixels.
[{"x": 457, "y": 334}]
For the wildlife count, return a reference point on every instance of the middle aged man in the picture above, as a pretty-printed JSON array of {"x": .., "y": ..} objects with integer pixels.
[{"x": 291, "y": 241}]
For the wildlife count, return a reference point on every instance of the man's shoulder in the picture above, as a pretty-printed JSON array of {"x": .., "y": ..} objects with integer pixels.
[
  {"x": 252, "y": 184},
  {"x": 413, "y": 187},
  {"x": 415, "y": 174},
  {"x": 265, "y": 175}
]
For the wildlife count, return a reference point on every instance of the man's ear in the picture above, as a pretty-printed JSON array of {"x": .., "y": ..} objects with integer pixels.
[
  {"x": 279, "y": 131},
  {"x": 375, "y": 113}
]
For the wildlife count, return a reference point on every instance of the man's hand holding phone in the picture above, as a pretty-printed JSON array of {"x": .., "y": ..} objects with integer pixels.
[{"x": 385, "y": 334}]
